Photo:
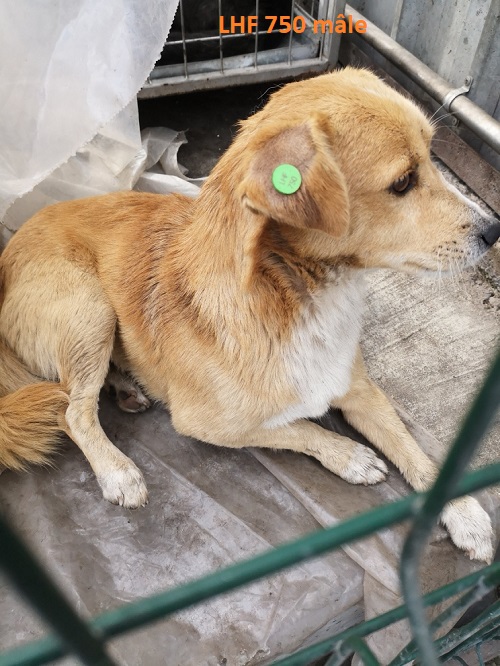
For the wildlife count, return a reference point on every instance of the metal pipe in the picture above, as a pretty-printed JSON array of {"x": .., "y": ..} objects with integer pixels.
[{"x": 480, "y": 122}]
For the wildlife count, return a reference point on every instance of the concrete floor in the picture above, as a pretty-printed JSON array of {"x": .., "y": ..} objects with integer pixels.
[{"x": 427, "y": 344}]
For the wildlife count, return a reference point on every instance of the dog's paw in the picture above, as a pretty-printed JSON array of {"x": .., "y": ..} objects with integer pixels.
[
  {"x": 132, "y": 401},
  {"x": 125, "y": 486},
  {"x": 127, "y": 394},
  {"x": 470, "y": 528},
  {"x": 364, "y": 467}
]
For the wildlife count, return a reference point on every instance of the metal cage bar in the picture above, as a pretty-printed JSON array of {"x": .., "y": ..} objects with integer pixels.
[
  {"x": 299, "y": 53},
  {"x": 31, "y": 581},
  {"x": 473, "y": 430},
  {"x": 73, "y": 631},
  {"x": 140, "y": 613},
  {"x": 453, "y": 611}
]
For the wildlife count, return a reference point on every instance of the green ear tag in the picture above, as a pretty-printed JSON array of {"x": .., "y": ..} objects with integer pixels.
[{"x": 286, "y": 179}]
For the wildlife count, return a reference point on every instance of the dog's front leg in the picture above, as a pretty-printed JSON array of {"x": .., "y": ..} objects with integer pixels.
[
  {"x": 367, "y": 409},
  {"x": 350, "y": 460}
]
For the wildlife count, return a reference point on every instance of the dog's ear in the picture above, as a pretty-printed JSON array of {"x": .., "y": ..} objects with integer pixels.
[{"x": 320, "y": 202}]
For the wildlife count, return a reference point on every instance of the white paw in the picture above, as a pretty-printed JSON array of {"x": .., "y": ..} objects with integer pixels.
[
  {"x": 124, "y": 485},
  {"x": 364, "y": 467},
  {"x": 470, "y": 528}
]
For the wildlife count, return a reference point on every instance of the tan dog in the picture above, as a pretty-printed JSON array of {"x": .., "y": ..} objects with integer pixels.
[{"x": 240, "y": 310}]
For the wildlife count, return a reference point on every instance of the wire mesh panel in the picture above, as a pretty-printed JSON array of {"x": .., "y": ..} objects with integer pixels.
[
  {"x": 87, "y": 640},
  {"x": 217, "y": 43}
]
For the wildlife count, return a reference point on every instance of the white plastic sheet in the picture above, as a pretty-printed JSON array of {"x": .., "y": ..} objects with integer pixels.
[
  {"x": 118, "y": 158},
  {"x": 67, "y": 69}
]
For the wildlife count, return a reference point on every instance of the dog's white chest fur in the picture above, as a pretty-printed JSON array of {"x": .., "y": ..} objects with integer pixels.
[{"x": 318, "y": 361}]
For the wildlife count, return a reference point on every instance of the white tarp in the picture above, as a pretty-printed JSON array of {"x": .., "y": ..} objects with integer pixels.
[{"x": 70, "y": 71}]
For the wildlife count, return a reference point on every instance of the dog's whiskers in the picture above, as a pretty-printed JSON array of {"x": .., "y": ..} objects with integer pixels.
[
  {"x": 436, "y": 121},
  {"x": 436, "y": 112},
  {"x": 451, "y": 143}
]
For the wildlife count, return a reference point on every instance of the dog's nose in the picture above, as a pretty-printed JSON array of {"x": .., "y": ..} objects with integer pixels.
[{"x": 491, "y": 234}]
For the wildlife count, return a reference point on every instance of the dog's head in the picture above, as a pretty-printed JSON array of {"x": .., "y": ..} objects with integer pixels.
[{"x": 368, "y": 181}]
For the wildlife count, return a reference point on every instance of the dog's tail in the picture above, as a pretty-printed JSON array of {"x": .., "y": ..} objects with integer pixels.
[{"x": 31, "y": 413}]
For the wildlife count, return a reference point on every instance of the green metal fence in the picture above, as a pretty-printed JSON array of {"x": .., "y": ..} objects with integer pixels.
[{"x": 87, "y": 640}]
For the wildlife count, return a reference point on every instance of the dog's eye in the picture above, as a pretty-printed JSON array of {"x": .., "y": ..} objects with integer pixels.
[{"x": 404, "y": 184}]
